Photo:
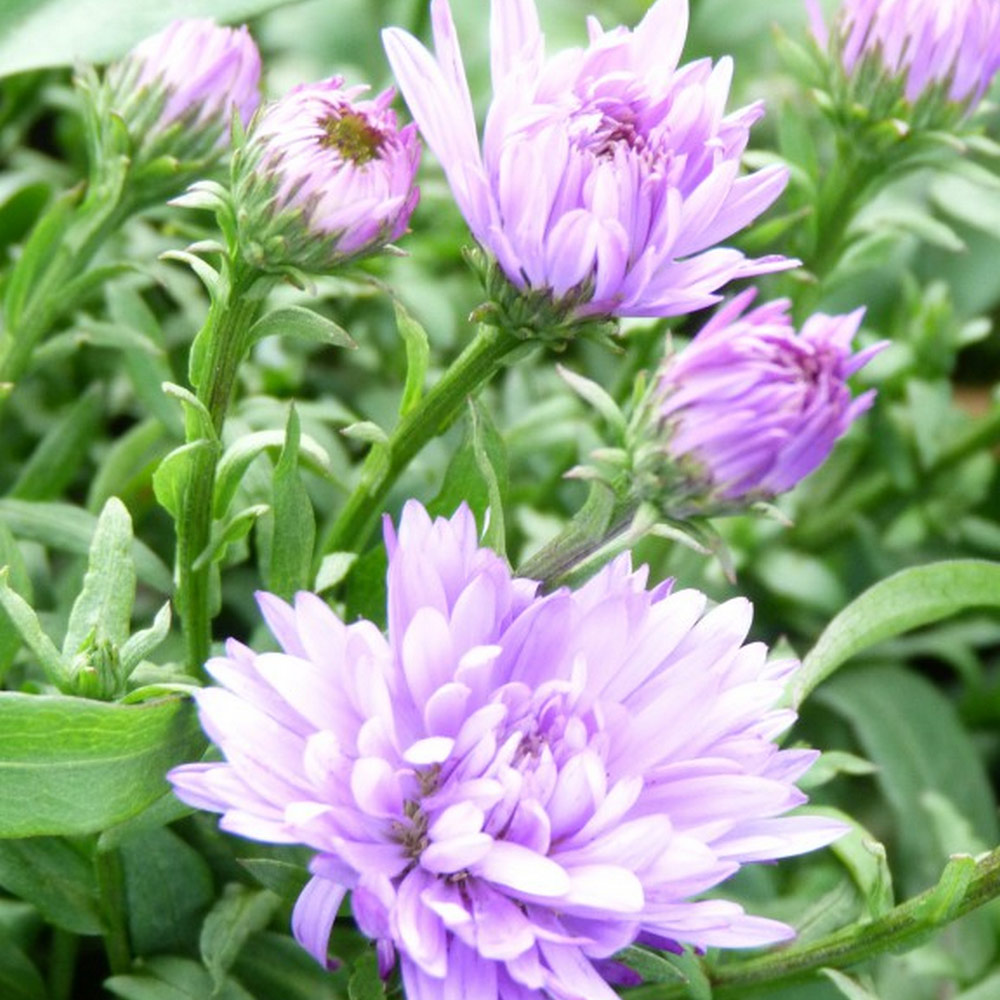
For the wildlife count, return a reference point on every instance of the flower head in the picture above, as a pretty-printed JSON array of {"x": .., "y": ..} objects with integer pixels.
[
  {"x": 325, "y": 176},
  {"x": 513, "y": 787},
  {"x": 751, "y": 407},
  {"x": 607, "y": 174},
  {"x": 188, "y": 79},
  {"x": 948, "y": 44}
]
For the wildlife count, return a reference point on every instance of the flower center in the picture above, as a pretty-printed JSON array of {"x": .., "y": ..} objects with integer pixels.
[
  {"x": 412, "y": 836},
  {"x": 351, "y": 135}
]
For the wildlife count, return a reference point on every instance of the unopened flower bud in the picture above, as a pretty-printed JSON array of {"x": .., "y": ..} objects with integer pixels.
[
  {"x": 324, "y": 177},
  {"x": 178, "y": 90},
  {"x": 750, "y": 407}
]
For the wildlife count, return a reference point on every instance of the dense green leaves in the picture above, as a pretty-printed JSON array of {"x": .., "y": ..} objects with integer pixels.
[{"x": 71, "y": 766}]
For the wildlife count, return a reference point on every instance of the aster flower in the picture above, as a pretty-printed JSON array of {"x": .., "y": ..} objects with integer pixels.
[
  {"x": 512, "y": 787},
  {"x": 178, "y": 90},
  {"x": 949, "y": 44},
  {"x": 607, "y": 174},
  {"x": 324, "y": 177},
  {"x": 750, "y": 407}
]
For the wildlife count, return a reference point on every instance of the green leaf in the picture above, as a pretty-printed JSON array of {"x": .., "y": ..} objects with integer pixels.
[
  {"x": 71, "y": 766},
  {"x": 168, "y": 885},
  {"x": 55, "y": 878},
  {"x": 275, "y": 966},
  {"x": 281, "y": 877},
  {"x": 302, "y": 324},
  {"x": 167, "y": 977},
  {"x": 849, "y": 987},
  {"x": 22, "y": 616},
  {"x": 652, "y": 966},
  {"x": 103, "y": 611},
  {"x": 417, "y": 356},
  {"x": 240, "y": 913},
  {"x": 597, "y": 397},
  {"x": 294, "y": 534},
  {"x": 333, "y": 569},
  {"x": 17, "y": 579},
  {"x": 19, "y": 979},
  {"x": 197, "y": 419},
  {"x": 365, "y": 982},
  {"x": 128, "y": 465},
  {"x": 908, "y": 599},
  {"x": 911, "y": 731},
  {"x": 234, "y": 530},
  {"x": 487, "y": 445},
  {"x": 70, "y": 529},
  {"x": 241, "y": 453},
  {"x": 55, "y": 461},
  {"x": 171, "y": 477},
  {"x": 140, "y": 645}
]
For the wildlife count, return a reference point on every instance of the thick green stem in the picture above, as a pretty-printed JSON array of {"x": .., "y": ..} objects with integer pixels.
[
  {"x": 111, "y": 884},
  {"x": 431, "y": 416},
  {"x": 904, "y": 926},
  {"x": 226, "y": 336},
  {"x": 596, "y": 533}
]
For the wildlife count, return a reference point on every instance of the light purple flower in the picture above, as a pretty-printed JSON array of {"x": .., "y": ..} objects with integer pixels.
[
  {"x": 201, "y": 73},
  {"x": 513, "y": 787},
  {"x": 929, "y": 42},
  {"x": 329, "y": 174},
  {"x": 608, "y": 173},
  {"x": 754, "y": 406}
]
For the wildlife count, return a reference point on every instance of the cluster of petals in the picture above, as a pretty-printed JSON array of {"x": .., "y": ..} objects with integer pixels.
[
  {"x": 755, "y": 406},
  {"x": 955, "y": 43},
  {"x": 206, "y": 72},
  {"x": 340, "y": 162},
  {"x": 607, "y": 174},
  {"x": 513, "y": 787}
]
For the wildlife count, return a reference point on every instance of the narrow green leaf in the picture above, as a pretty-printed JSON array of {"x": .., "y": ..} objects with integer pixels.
[
  {"x": 281, "y": 877},
  {"x": 26, "y": 622},
  {"x": 294, "y": 534},
  {"x": 103, "y": 609},
  {"x": 302, "y": 324},
  {"x": 166, "y": 977},
  {"x": 71, "y": 529},
  {"x": 168, "y": 886},
  {"x": 365, "y": 430},
  {"x": 912, "y": 733},
  {"x": 494, "y": 532},
  {"x": 19, "y": 979},
  {"x": 55, "y": 461},
  {"x": 241, "y": 453},
  {"x": 908, "y": 599},
  {"x": 71, "y": 766},
  {"x": 652, "y": 966},
  {"x": 55, "y": 878},
  {"x": 17, "y": 579},
  {"x": 234, "y": 530},
  {"x": 198, "y": 420},
  {"x": 172, "y": 474},
  {"x": 418, "y": 353},
  {"x": 140, "y": 645},
  {"x": 850, "y": 988},
  {"x": 590, "y": 392},
  {"x": 333, "y": 569},
  {"x": 207, "y": 274},
  {"x": 240, "y": 913}
]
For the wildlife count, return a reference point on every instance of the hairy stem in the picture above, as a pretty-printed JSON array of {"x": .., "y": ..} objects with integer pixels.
[{"x": 435, "y": 412}]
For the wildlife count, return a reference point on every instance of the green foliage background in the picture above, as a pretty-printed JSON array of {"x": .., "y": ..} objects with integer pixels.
[{"x": 913, "y": 717}]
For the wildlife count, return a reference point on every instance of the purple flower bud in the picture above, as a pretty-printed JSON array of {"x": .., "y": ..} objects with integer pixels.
[
  {"x": 193, "y": 74},
  {"x": 512, "y": 786},
  {"x": 325, "y": 177},
  {"x": 751, "y": 407},
  {"x": 954, "y": 44},
  {"x": 607, "y": 174}
]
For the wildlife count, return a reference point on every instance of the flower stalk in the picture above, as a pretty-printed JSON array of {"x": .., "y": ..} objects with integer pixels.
[
  {"x": 965, "y": 885},
  {"x": 226, "y": 338},
  {"x": 475, "y": 366}
]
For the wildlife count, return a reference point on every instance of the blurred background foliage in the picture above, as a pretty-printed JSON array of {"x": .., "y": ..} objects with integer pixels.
[{"x": 913, "y": 482}]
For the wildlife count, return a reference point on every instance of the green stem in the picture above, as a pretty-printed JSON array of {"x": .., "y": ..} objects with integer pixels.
[
  {"x": 595, "y": 534},
  {"x": 435, "y": 412},
  {"x": 226, "y": 336},
  {"x": 902, "y": 927},
  {"x": 62, "y": 963},
  {"x": 111, "y": 885}
]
